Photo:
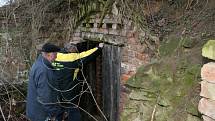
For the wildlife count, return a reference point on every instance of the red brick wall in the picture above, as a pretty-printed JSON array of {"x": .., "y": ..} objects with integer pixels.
[{"x": 120, "y": 32}]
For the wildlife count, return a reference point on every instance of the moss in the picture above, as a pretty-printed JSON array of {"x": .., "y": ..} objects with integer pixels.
[
  {"x": 188, "y": 42},
  {"x": 208, "y": 49},
  {"x": 168, "y": 47},
  {"x": 170, "y": 82}
]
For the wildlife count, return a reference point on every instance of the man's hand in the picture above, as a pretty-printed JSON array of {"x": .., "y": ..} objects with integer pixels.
[
  {"x": 51, "y": 119},
  {"x": 101, "y": 45}
]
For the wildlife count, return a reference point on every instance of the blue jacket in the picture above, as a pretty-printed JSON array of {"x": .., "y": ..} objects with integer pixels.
[
  {"x": 68, "y": 65},
  {"x": 41, "y": 98}
]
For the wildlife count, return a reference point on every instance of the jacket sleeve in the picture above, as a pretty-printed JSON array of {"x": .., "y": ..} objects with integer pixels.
[
  {"x": 69, "y": 57},
  {"x": 75, "y": 60},
  {"x": 85, "y": 58},
  {"x": 46, "y": 96}
]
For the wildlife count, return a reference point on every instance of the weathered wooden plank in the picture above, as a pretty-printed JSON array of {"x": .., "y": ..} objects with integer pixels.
[
  {"x": 110, "y": 84},
  {"x": 116, "y": 71},
  {"x": 118, "y": 77},
  {"x": 111, "y": 91},
  {"x": 105, "y": 78},
  {"x": 111, "y": 81}
]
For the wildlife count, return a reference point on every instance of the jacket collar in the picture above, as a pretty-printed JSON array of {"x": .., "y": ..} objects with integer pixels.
[{"x": 45, "y": 61}]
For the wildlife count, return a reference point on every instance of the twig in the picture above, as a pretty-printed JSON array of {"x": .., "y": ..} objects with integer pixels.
[
  {"x": 154, "y": 110},
  {"x": 152, "y": 17},
  {"x": 2, "y": 113},
  {"x": 9, "y": 101},
  {"x": 153, "y": 113},
  {"x": 193, "y": 24},
  {"x": 94, "y": 98}
]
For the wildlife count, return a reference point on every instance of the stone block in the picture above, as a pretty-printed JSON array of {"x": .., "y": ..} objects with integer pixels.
[
  {"x": 110, "y": 20},
  {"x": 77, "y": 34},
  {"x": 104, "y": 25},
  {"x": 95, "y": 25},
  {"x": 125, "y": 77},
  {"x": 130, "y": 34},
  {"x": 128, "y": 25},
  {"x": 207, "y": 107},
  {"x": 206, "y": 118},
  {"x": 208, "y": 72},
  {"x": 83, "y": 34},
  {"x": 114, "y": 26},
  {"x": 124, "y": 51},
  {"x": 138, "y": 47},
  {"x": 97, "y": 20},
  {"x": 128, "y": 68},
  {"x": 132, "y": 41},
  {"x": 94, "y": 30},
  {"x": 78, "y": 29},
  {"x": 207, "y": 90},
  {"x": 208, "y": 50},
  {"x": 124, "y": 58},
  {"x": 92, "y": 20},
  {"x": 76, "y": 38},
  {"x": 107, "y": 16},
  {"x": 99, "y": 36},
  {"x": 84, "y": 29},
  {"x": 106, "y": 20},
  {"x": 131, "y": 54},
  {"x": 103, "y": 31},
  {"x": 87, "y": 34},
  {"x": 140, "y": 56},
  {"x": 113, "y": 32},
  {"x": 123, "y": 32},
  {"x": 131, "y": 60}
]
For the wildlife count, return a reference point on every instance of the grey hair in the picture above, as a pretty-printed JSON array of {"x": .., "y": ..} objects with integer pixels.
[{"x": 70, "y": 46}]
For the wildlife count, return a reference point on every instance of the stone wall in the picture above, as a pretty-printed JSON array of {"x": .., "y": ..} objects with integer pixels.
[
  {"x": 207, "y": 103},
  {"x": 120, "y": 32}
]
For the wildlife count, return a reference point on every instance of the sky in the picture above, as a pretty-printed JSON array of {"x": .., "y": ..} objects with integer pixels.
[{"x": 3, "y": 2}]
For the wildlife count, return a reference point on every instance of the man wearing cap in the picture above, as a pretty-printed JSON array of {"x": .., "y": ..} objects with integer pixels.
[
  {"x": 67, "y": 66},
  {"x": 41, "y": 98},
  {"x": 51, "y": 78}
]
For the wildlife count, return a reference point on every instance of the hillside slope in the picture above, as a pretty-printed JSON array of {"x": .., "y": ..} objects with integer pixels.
[{"x": 167, "y": 89}]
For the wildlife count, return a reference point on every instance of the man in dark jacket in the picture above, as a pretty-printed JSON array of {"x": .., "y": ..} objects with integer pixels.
[
  {"x": 51, "y": 80},
  {"x": 67, "y": 66},
  {"x": 42, "y": 103}
]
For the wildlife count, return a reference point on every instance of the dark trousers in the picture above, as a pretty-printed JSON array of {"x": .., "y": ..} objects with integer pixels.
[{"x": 73, "y": 115}]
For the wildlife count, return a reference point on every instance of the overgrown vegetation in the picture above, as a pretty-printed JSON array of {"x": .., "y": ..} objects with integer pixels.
[{"x": 166, "y": 89}]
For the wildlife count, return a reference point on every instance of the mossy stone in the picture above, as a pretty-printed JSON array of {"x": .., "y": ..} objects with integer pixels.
[{"x": 208, "y": 50}]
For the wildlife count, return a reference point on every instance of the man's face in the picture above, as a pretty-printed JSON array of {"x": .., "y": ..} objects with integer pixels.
[{"x": 52, "y": 56}]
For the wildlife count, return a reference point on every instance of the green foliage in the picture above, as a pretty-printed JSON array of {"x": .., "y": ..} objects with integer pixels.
[{"x": 168, "y": 47}]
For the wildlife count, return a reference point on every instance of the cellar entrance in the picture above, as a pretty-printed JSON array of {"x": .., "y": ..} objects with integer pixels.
[{"x": 101, "y": 101}]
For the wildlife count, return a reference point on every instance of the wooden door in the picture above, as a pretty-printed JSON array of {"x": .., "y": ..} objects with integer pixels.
[{"x": 111, "y": 65}]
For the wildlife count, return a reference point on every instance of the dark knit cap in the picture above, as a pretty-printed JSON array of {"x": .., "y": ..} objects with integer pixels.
[{"x": 48, "y": 47}]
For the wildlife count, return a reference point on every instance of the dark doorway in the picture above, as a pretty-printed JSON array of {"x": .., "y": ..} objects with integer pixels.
[{"x": 103, "y": 77}]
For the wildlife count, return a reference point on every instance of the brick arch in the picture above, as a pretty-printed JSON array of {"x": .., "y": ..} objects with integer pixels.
[
  {"x": 116, "y": 31},
  {"x": 119, "y": 33}
]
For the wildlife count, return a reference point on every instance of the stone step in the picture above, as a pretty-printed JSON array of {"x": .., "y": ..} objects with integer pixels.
[
  {"x": 206, "y": 118},
  {"x": 207, "y": 107},
  {"x": 207, "y": 90},
  {"x": 208, "y": 72}
]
